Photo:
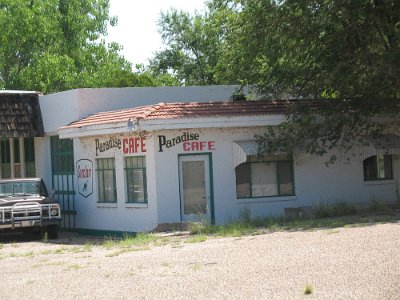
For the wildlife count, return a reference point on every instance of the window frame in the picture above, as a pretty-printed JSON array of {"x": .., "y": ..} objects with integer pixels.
[
  {"x": 144, "y": 179},
  {"x": 101, "y": 188},
  {"x": 277, "y": 161},
  {"x": 374, "y": 159},
  {"x": 5, "y": 159},
  {"x": 29, "y": 155}
]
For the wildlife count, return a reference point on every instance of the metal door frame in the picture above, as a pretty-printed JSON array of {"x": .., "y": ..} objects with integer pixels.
[
  {"x": 211, "y": 178},
  {"x": 63, "y": 182}
]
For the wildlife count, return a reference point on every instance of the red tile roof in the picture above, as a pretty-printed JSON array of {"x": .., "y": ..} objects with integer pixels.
[{"x": 186, "y": 110}]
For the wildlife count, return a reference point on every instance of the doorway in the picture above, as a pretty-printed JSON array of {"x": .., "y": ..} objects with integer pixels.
[{"x": 196, "y": 188}]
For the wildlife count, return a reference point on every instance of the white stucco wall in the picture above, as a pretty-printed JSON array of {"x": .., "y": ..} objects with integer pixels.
[
  {"x": 43, "y": 159},
  {"x": 62, "y": 108},
  {"x": 119, "y": 216},
  {"x": 314, "y": 183}
]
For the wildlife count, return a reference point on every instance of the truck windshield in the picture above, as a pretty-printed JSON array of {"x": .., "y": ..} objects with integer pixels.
[{"x": 22, "y": 188}]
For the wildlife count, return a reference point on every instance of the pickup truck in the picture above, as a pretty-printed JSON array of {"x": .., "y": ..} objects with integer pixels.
[{"x": 26, "y": 205}]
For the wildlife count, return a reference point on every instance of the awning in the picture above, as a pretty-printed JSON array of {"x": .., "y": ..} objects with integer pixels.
[
  {"x": 243, "y": 149},
  {"x": 385, "y": 144}
]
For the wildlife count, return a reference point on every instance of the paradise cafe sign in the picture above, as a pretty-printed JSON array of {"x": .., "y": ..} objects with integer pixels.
[
  {"x": 190, "y": 142},
  {"x": 129, "y": 145}
]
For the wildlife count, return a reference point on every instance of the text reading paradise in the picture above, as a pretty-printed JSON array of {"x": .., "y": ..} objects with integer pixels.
[{"x": 190, "y": 142}]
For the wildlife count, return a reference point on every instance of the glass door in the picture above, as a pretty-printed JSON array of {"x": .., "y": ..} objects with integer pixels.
[{"x": 195, "y": 189}]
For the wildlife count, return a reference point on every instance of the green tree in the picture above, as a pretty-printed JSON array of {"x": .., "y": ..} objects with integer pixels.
[
  {"x": 344, "y": 56},
  {"x": 322, "y": 48},
  {"x": 192, "y": 50},
  {"x": 55, "y": 45}
]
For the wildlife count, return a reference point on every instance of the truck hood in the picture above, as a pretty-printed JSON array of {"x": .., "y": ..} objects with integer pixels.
[{"x": 11, "y": 200}]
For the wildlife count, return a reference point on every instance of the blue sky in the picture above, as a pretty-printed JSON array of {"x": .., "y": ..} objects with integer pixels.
[{"x": 137, "y": 25}]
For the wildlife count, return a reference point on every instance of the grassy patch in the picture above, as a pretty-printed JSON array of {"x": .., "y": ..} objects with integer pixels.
[
  {"x": 378, "y": 206},
  {"x": 338, "y": 209},
  {"x": 259, "y": 226},
  {"x": 47, "y": 264},
  {"x": 232, "y": 229},
  {"x": 77, "y": 249},
  {"x": 139, "y": 239},
  {"x": 45, "y": 252},
  {"x": 195, "y": 267},
  {"x": 60, "y": 250},
  {"x": 196, "y": 239},
  {"x": 309, "y": 289},
  {"x": 45, "y": 238},
  {"x": 74, "y": 267},
  {"x": 28, "y": 254},
  {"x": 126, "y": 250}
]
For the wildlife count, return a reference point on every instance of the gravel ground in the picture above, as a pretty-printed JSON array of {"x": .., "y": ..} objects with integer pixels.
[{"x": 343, "y": 263}]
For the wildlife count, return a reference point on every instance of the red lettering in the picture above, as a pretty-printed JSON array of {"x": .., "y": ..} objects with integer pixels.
[
  {"x": 186, "y": 146},
  {"x": 195, "y": 146},
  {"x": 124, "y": 145},
  {"x": 134, "y": 145},
  {"x": 143, "y": 144},
  {"x": 137, "y": 140},
  {"x": 84, "y": 173},
  {"x": 131, "y": 145},
  {"x": 211, "y": 145}
]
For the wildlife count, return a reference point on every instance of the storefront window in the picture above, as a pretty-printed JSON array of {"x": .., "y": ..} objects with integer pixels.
[
  {"x": 136, "y": 182},
  {"x": 106, "y": 180},
  {"x": 17, "y": 159},
  {"x": 5, "y": 159},
  {"x": 264, "y": 178},
  {"x": 29, "y": 147},
  {"x": 378, "y": 167}
]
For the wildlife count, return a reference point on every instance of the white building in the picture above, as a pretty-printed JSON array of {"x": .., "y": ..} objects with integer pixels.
[{"x": 127, "y": 160}]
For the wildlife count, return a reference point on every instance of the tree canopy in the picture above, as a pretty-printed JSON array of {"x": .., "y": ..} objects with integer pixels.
[
  {"x": 55, "y": 45},
  {"x": 344, "y": 51}
]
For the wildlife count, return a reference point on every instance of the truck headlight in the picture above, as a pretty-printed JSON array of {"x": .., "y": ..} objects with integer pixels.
[{"x": 54, "y": 212}]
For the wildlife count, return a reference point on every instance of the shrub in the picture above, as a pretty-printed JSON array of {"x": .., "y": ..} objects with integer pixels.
[
  {"x": 338, "y": 209},
  {"x": 377, "y": 206},
  {"x": 309, "y": 289}
]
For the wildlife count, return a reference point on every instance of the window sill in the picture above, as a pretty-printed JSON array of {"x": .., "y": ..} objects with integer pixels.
[
  {"x": 266, "y": 199},
  {"x": 136, "y": 205},
  {"x": 379, "y": 182},
  {"x": 106, "y": 205}
]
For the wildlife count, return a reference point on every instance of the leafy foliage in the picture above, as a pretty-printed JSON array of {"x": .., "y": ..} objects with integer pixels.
[
  {"x": 346, "y": 51},
  {"x": 323, "y": 49},
  {"x": 55, "y": 45},
  {"x": 192, "y": 48}
]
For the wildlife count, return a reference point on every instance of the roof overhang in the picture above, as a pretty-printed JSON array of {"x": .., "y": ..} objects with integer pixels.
[{"x": 165, "y": 124}]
